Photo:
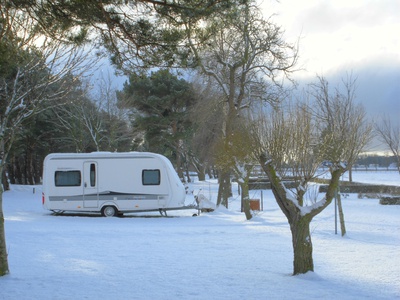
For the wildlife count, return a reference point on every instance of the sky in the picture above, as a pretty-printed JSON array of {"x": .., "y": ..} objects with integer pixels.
[{"x": 339, "y": 37}]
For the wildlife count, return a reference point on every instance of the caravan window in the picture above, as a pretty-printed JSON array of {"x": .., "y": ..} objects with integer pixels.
[
  {"x": 92, "y": 175},
  {"x": 67, "y": 178},
  {"x": 151, "y": 177}
]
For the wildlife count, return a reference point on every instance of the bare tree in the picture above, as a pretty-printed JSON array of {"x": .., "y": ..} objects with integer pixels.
[
  {"x": 81, "y": 121},
  {"x": 39, "y": 74},
  {"x": 343, "y": 125},
  {"x": 207, "y": 123},
  {"x": 242, "y": 50},
  {"x": 288, "y": 140},
  {"x": 117, "y": 134},
  {"x": 296, "y": 140},
  {"x": 389, "y": 134},
  {"x": 342, "y": 120},
  {"x": 93, "y": 121}
]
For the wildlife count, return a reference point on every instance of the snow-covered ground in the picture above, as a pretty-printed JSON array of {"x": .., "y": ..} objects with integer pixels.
[
  {"x": 375, "y": 177},
  {"x": 216, "y": 255}
]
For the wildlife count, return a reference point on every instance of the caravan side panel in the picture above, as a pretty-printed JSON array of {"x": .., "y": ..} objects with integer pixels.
[
  {"x": 62, "y": 183},
  {"x": 128, "y": 181}
]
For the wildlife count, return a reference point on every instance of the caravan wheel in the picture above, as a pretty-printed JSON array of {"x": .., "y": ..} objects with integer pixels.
[{"x": 109, "y": 211}]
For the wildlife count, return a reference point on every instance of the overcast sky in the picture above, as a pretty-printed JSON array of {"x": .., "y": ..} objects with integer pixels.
[{"x": 339, "y": 36}]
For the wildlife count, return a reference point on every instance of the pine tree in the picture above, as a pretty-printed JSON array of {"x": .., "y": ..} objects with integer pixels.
[{"x": 160, "y": 104}]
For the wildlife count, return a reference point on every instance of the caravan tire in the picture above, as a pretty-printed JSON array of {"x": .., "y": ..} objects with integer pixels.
[{"x": 109, "y": 211}]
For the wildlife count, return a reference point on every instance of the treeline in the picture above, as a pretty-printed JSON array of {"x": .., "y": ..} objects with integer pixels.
[
  {"x": 159, "y": 112},
  {"x": 375, "y": 160},
  {"x": 155, "y": 112}
]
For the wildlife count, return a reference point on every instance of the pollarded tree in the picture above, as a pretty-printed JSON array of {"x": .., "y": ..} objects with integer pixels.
[
  {"x": 296, "y": 142},
  {"x": 289, "y": 140},
  {"x": 342, "y": 120},
  {"x": 344, "y": 126},
  {"x": 389, "y": 133}
]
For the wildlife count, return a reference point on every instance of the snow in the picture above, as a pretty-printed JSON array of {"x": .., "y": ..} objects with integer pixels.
[
  {"x": 216, "y": 255},
  {"x": 391, "y": 177}
]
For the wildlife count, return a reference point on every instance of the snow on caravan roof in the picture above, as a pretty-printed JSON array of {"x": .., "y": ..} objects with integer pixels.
[{"x": 103, "y": 154}]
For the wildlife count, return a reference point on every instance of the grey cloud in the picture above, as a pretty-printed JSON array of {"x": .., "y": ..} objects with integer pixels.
[{"x": 327, "y": 17}]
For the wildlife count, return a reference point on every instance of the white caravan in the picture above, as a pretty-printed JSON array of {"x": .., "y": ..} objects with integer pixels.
[{"x": 111, "y": 183}]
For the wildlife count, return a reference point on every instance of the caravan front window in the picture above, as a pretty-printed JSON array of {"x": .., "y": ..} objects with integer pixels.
[
  {"x": 151, "y": 177},
  {"x": 67, "y": 178}
]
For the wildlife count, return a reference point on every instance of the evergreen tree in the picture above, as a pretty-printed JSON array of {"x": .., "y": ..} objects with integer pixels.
[
  {"x": 137, "y": 33},
  {"x": 159, "y": 105}
]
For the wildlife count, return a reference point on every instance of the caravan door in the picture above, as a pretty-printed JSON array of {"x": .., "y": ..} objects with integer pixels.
[{"x": 90, "y": 184}]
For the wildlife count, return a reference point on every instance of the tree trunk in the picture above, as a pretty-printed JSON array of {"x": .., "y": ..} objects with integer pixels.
[
  {"x": 201, "y": 174},
  {"x": 38, "y": 172},
  {"x": 223, "y": 189},
  {"x": 17, "y": 173},
  {"x": 210, "y": 173},
  {"x": 3, "y": 248},
  {"x": 246, "y": 200},
  {"x": 29, "y": 174},
  {"x": 220, "y": 188},
  {"x": 4, "y": 180},
  {"x": 179, "y": 167},
  {"x": 247, "y": 210},
  {"x": 215, "y": 173},
  {"x": 302, "y": 246},
  {"x": 11, "y": 170},
  {"x": 200, "y": 169},
  {"x": 351, "y": 174},
  {"x": 188, "y": 175},
  {"x": 341, "y": 215},
  {"x": 299, "y": 222}
]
